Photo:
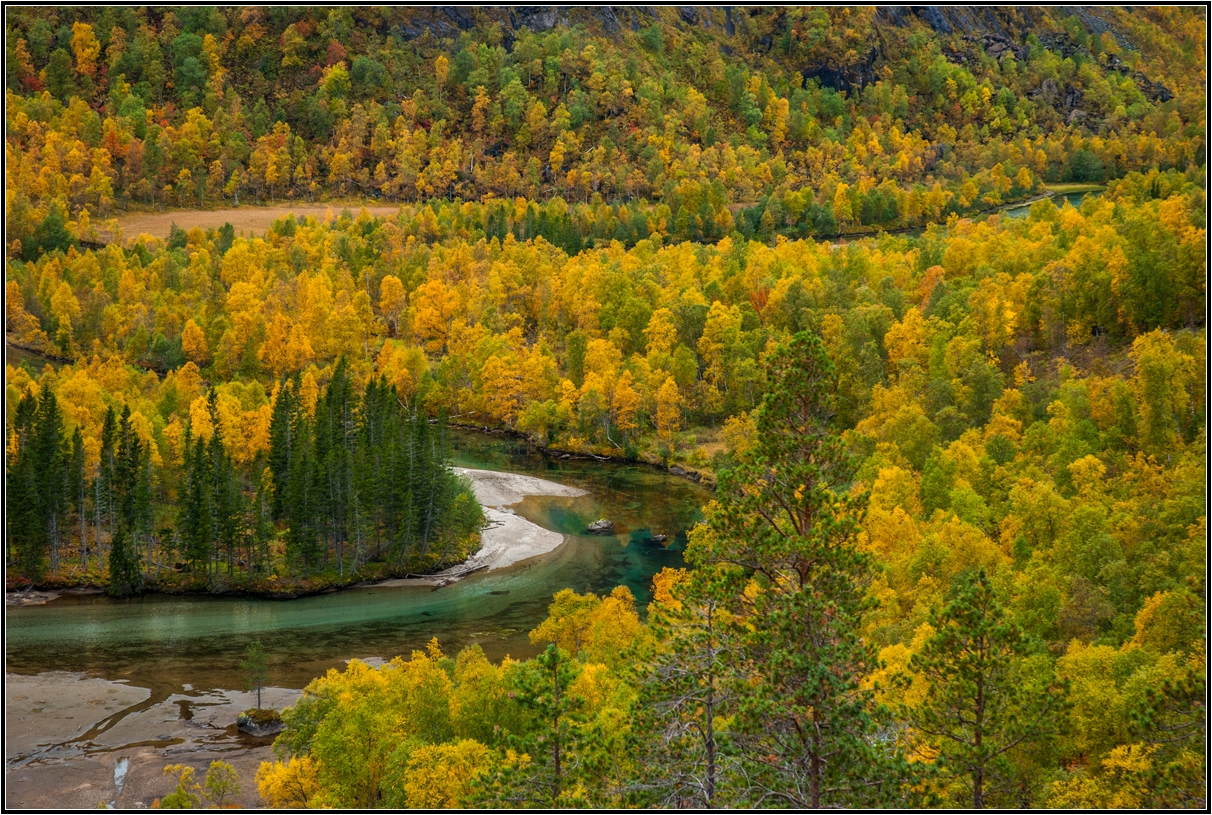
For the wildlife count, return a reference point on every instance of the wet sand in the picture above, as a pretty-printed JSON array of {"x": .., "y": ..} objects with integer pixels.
[{"x": 73, "y": 741}]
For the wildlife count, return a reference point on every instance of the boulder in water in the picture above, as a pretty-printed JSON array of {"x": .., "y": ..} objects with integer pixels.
[
  {"x": 602, "y": 527},
  {"x": 260, "y": 722}
]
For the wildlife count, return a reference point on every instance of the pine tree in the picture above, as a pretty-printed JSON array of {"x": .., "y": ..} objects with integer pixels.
[
  {"x": 1173, "y": 719},
  {"x": 786, "y": 516},
  {"x": 684, "y": 687},
  {"x": 549, "y": 779},
  {"x": 256, "y": 668},
  {"x": 985, "y": 698}
]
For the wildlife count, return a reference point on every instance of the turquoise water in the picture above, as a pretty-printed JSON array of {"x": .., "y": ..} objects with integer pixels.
[
  {"x": 173, "y": 641},
  {"x": 1074, "y": 198}
]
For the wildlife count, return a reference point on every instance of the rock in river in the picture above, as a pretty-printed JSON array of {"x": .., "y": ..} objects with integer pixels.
[
  {"x": 602, "y": 527},
  {"x": 260, "y": 722}
]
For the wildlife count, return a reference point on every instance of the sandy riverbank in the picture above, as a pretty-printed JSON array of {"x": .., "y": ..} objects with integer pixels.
[{"x": 507, "y": 538}]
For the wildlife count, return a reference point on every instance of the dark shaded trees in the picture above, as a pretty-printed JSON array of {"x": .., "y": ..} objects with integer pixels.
[
  {"x": 365, "y": 479},
  {"x": 37, "y": 485},
  {"x": 125, "y": 566}
]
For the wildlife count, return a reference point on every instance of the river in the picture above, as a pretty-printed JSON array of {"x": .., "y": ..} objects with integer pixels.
[
  {"x": 100, "y": 694},
  {"x": 199, "y": 641},
  {"x": 1073, "y": 198}
]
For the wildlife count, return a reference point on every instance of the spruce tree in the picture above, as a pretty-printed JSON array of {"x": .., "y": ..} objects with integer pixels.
[
  {"x": 50, "y": 468},
  {"x": 103, "y": 486},
  {"x": 225, "y": 499},
  {"x": 125, "y": 566},
  {"x": 335, "y": 423},
  {"x": 194, "y": 508},
  {"x": 128, "y": 466},
  {"x": 22, "y": 523},
  {"x": 281, "y": 445},
  {"x": 78, "y": 492},
  {"x": 261, "y": 523},
  {"x": 300, "y": 503}
]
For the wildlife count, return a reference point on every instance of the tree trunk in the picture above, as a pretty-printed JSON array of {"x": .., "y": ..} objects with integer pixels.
[{"x": 814, "y": 774}]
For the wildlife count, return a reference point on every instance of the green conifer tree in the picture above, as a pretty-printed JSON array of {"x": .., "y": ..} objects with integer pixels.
[
  {"x": 550, "y": 777},
  {"x": 684, "y": 691},
  {"x": 256, "y": 668},
  {"x": 125, "y": 566},
  {"x": 281, "y": 445},
  {"x": 22, "y": 524},
  {"x": 77, "y": 488},
  {"x": 985, "y": 696},
  {"x": 786, "y": 515}
]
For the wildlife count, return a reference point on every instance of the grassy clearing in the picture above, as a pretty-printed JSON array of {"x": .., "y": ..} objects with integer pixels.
[
  {"x": 248, "y": 220},
  {"x": 1066, "y": 189}
]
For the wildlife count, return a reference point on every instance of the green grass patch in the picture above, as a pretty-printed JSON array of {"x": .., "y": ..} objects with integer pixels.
[{"x": 1065, "y": 189}]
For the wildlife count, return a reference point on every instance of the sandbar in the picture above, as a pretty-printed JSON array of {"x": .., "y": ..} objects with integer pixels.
[{"x": 507, "y": 538}]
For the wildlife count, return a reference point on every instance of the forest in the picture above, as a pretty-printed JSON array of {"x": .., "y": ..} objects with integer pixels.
[
  {"x": 769, "y": 121},
  {"x": 956, "y": 554}
]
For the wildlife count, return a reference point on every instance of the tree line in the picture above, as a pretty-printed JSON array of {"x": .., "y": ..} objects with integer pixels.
[{"x": 349, "y": 481}]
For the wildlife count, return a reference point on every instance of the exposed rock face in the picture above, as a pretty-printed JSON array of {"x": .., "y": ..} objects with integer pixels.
[
  {"x": 1001, "y": 48},
  {"x": 1049, "y": 91},
  {"x": 999, "y": 31},
  {"x": 854, "y": 76},
  {"x": 967, "y": 34},
  {"x": 602, "y": 527},
  {"x": 1154, "y": 90}
]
